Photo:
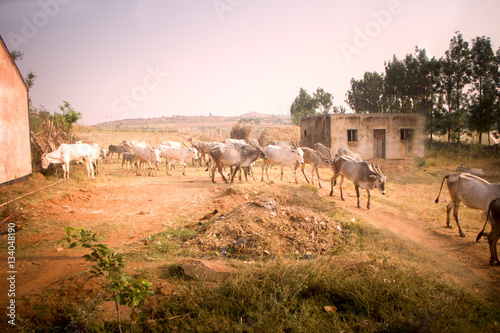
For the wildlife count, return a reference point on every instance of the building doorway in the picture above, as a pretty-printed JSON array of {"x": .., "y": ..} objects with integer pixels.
[{"x": 379, "y": 143}]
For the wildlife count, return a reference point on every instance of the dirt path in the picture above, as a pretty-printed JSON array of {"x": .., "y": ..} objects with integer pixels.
[{"x": 463, "y": 258}]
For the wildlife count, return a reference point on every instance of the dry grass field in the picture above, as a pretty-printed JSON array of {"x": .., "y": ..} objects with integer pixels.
[{"x": 155, "y": 222}]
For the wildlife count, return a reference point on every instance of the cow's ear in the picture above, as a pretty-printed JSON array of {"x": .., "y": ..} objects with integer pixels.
[{"x": 373, "y": 177}]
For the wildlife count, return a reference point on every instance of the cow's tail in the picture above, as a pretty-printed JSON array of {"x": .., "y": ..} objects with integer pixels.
[
  {"x": 482, "y": 231},
  {"x": 445, "y": 177}
]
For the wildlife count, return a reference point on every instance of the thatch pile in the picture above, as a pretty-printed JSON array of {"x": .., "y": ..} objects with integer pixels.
[
  {"x": 282, "y": 133},
  {"x": 48, "y": 132}
]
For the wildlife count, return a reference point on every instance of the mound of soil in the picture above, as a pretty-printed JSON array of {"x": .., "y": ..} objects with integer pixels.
[{"x": 264, "y": 227}]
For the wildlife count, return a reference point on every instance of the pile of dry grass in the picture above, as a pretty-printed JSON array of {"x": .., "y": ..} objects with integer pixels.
[
  {"x": 282, "y": 133},
  {"x": 264, "y": 227}
]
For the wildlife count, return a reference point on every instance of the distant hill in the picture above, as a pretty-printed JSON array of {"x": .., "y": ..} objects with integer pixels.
[
  {"x": 254, "y": 114},
  {"x": 175, "y": 122}
]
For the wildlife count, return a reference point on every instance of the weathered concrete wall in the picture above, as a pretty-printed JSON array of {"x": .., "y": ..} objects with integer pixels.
[
  {"x": 15, "y": 159},
  {"x": 315, "y": 129},
  {"x": 332, "y": 130}
]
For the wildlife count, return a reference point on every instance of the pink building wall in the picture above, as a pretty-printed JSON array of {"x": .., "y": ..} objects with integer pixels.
[{"x": 15, "y": 159}]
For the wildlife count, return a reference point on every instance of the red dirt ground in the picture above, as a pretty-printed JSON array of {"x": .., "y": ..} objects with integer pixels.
[{"x": 135, "y": 207}]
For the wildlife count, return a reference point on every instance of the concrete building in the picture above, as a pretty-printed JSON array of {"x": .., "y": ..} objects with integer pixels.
[
  {"x": 381, "y": 136},
  {"x": 15, "y": 159}
]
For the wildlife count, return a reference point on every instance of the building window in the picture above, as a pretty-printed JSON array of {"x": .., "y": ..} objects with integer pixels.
[
  {"x": 305, "y": 133},
  {"x": 406, "y": 134},
  {"x": 352, "y": 135}
]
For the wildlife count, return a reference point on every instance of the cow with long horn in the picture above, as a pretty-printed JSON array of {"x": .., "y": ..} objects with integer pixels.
[{"x": 360, "y": 173}]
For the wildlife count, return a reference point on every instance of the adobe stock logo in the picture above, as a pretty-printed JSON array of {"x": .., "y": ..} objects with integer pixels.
[
  {"x": 128, "y": 101},
  {"x": 31, "y": 26},
  {"x": 224, "y": 6},
  {"x": 363, "y": 37}
]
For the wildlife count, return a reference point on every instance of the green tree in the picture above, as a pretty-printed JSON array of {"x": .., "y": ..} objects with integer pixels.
[
  {"x": 458, "y": 58},
  {"x": 339, "y": 109},
  {"x": 303, "y": 106},
  {"x": 70, "y": 117},
  {"x": 366, "y": 95},
  {"x": 30, "y": 82},
  {"x": 324, "y": 100},
  {"x": 484, "y": 72}
]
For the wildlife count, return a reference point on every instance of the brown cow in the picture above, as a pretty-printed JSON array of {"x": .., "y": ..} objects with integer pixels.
[{"x": 494, "y": 234}]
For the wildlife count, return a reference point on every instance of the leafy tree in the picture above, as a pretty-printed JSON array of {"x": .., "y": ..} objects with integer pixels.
[
  {"x": 484, "y": 72},
  {"x": 70, "y": 117},
  {"x": 324, "y": 100},
  {"x": 458, "y": 58},
  {"x": 303, "y": 106},
  {"x": 339, "y": 109},
  {"x": 366, "y": 95},
  {"x": 395, "y": 90},
  {"x": 30, "y": 82}
]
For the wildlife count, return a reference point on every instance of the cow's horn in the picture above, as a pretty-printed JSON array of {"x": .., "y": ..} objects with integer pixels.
[{"x": 378, "y": 169}]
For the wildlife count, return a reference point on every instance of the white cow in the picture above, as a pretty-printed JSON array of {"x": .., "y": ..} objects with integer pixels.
[
  {"x": 97, "y": 156},
  {"x": 130, "y": 144},
  {"x": 347, "y": 152},
  {"x": 180, "y": 154},
  {"x": 234, "y": 142},
  {"x": 147, "y": 156},
  {"x": 282, "y": 156},
  {"x": 473, "y": 191},
  {"x": 171, "y": 143},
  {"x": 67, "y": 153}
]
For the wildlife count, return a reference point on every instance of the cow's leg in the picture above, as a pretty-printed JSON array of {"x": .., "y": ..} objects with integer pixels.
[
  {"x": 152, "y": 168},
  {"x": 448, "y": 211},
  {"x": 492, "y": 244},
  {"x": 281, "y": 168},
  {"x": 263, "y": 167},
  {"x": 294, "y": 173},
  {"x": 455, "y": 215},
  {"x": 212, "y": 170},
  {"x": 219, "y": 167},
  {"x": 493, "y": 237},
  {"x": 169, "y": 167},
  {"x": 302, "y": 168},
  {"x": 65, "y": 168},
  {"x": 315, "y": 168},
  {"x": 357, "y": 194},
  {"x": 340, "y": 185},
  {"x": 333, "y": 181},
  {"x": 246, "y": 171},
  {"x": 184, "y": 168},
  {"x": 234, "y": 173},
  {"x": 137, "y": 168},
  {"x": 368, "y": 204},
  {"x": 91, "y": 168}
]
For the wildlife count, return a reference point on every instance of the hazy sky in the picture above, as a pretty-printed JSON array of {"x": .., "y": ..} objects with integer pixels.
[{"x": 118, "y": 59}]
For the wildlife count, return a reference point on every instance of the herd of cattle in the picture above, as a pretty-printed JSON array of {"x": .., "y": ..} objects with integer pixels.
[{"x": 240, "y": 155}]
